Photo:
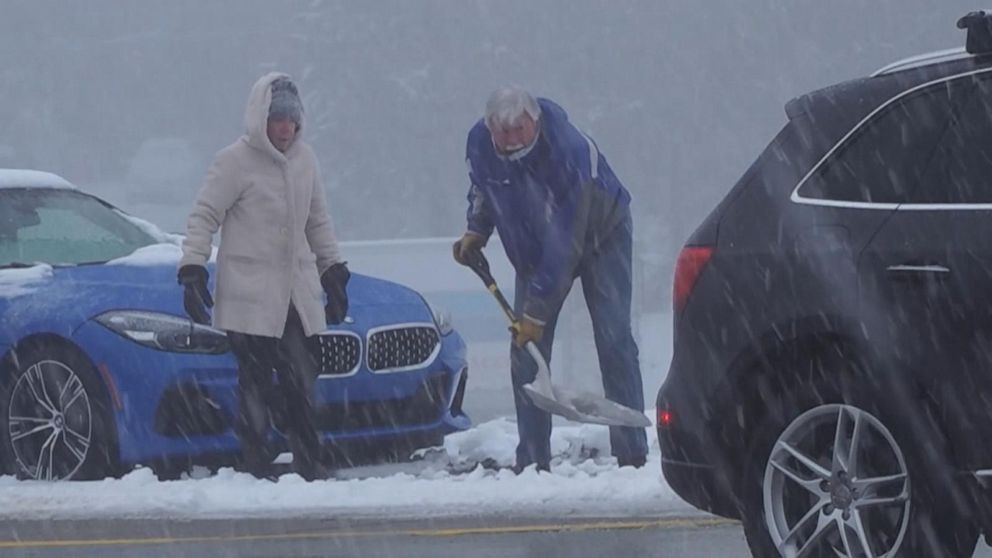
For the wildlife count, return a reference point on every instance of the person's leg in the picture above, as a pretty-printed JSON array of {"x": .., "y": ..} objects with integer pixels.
[
  {"x": 297, "y": 375},
  {"x": 533, "y": 424},
  {"x": 254, "y": 356},
  {"x": 607, "y": 284}
]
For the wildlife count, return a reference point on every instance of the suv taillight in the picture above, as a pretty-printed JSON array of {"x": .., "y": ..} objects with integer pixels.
[{"x": 692, "y": 260}]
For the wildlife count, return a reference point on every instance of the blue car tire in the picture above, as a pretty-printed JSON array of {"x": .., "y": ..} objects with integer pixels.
[{"x": 55, "y": 417}]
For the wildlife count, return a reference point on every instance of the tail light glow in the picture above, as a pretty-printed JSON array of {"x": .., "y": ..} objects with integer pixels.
[
  {"x": 665, "y": 418},
  {"x": 690, "y": 264}
]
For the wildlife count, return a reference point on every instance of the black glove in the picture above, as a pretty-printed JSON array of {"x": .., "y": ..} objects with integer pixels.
[
  {"x": 335, "y": 282},
  {"x": 196, "y": 296}
]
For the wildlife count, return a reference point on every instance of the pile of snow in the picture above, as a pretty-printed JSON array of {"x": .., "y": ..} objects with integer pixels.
[
  {"x": 584, "y": 481},
  {"x": 22, "y": 281}
]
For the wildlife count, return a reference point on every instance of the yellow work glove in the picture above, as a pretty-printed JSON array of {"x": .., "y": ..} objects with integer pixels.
[
  {"x": 525, "y": 331},
  {"x": 467, "y": 246}
]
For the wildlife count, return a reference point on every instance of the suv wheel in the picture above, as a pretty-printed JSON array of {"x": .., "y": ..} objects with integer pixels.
[{"x": 828, "y": 478}]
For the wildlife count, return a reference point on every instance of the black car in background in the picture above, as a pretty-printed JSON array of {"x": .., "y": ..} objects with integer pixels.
[{"x": 831, "y": 383}]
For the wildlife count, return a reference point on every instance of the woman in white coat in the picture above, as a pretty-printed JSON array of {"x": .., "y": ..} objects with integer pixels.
[{"x": 278, "y": 256}]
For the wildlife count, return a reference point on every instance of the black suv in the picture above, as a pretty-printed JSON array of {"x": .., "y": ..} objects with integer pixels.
[{"x": 831, "y": 383}]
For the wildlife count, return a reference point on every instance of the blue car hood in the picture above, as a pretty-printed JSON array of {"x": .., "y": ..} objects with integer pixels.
[{"x": 61, "y": 299}]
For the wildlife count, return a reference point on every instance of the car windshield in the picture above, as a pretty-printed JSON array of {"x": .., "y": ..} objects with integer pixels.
[{"x": 62, "y": 227}]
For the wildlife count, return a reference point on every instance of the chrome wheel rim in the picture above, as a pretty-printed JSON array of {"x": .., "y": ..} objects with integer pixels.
[
  {"x": 49, "y": 421},
  {"x": 836, "y": 482}
]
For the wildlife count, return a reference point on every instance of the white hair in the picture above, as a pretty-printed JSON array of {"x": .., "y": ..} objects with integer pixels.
[{"x": 506, "y": 104}]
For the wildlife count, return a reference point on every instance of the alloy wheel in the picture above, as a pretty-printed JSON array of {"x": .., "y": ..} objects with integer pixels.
[
  {"x": 836, "y": 483},
  {"x": 49, "y": 421}
]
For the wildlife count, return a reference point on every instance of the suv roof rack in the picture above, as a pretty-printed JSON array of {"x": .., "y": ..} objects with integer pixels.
[
  {"x": 979, "y": 42},
  {"x": 936, "y": 57}
]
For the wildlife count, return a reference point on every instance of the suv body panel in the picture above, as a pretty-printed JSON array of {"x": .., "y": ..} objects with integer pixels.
[{"x": 784, "y": 271}]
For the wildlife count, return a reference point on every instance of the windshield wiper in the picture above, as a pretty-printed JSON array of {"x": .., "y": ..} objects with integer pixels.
[{"x": 17, "y": 265}]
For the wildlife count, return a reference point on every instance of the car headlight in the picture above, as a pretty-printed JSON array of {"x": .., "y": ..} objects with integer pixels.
[
  {"x": 164, "y": 332},
  {"x": 442, "y": 319}
]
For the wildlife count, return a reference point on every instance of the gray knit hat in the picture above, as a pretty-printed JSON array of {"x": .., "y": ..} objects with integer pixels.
[{"x": 286, "y": 100}]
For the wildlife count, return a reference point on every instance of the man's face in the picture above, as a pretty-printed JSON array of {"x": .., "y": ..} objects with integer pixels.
[
  {"x": 515, "y": 136},
  {"x": 281, "y": 131}
]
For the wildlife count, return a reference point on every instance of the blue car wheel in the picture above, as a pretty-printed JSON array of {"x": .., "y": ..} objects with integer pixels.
[{"x": 55, "y": 418}]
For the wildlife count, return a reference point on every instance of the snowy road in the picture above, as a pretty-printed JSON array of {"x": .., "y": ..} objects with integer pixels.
[
  {"x": 495, "y": 536},
  {"x": 696, "y": 537},
  {"x": 585, "y": 507}
]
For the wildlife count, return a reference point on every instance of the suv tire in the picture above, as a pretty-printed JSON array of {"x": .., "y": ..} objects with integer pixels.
[{"x": 800, "y": 435}]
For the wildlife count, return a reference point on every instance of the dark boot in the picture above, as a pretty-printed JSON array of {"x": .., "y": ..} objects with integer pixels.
[
  {"x": 258, "y": 468},
  {"x": 636, "y": 461},
  {"x": 313, "y": 471},
  {"x": 541, "y": 468}
]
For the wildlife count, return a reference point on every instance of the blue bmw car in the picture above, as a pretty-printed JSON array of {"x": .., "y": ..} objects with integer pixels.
[{"x": 102, "y": 370}]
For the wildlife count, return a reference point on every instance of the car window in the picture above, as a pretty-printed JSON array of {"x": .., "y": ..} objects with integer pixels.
[
  {"x": 961, "y": 171},
  {"x": 57, "y": 226},
  {"x": 885, "y": 159}
]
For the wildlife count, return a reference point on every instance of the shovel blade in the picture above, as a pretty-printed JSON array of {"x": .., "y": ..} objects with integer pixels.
[
  {"x": 577, "y": 406},
  {"x": 587, "y": 408}
]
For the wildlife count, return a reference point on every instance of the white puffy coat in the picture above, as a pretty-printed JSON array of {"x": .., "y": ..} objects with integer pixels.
[{"x": 276, "y": 235}]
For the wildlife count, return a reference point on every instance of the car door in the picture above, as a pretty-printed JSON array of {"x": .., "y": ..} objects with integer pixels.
[{"x": 926, "y": 279}]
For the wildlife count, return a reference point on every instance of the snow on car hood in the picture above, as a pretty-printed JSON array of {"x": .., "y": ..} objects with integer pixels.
[
  {"x": 22, "y": 281},
  {"x": 156, "y": 254},
  {"x": 364, "y": 290},
  {"x": 68, "y": 296}
]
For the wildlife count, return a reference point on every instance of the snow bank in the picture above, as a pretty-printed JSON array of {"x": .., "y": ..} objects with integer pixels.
[{"x": 584, "y": 481}]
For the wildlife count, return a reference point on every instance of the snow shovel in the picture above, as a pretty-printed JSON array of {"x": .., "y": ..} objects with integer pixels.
[{"x": 574, "y": 405}]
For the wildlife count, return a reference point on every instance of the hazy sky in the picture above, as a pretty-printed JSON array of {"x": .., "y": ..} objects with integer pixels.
[{"x": 131, "y": 99}]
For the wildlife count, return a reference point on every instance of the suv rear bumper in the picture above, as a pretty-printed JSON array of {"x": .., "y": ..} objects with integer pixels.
[
  {"x": 693, "y": 462},
  {"x": 693, "y": 478},
  {"x": 695, "y": 483}
]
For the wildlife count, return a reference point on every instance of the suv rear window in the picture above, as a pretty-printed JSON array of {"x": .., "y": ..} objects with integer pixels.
[
  {"x": 961, "y": 171},
  {"x": 884, "y": 160}
]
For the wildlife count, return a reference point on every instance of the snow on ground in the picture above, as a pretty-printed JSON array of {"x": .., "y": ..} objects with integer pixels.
[{"x": 584, "y": 481}]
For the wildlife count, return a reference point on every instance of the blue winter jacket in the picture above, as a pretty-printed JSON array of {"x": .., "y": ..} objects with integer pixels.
[{"x": 551, "y": 206}]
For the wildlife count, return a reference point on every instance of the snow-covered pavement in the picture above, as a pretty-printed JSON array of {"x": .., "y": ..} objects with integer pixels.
[{"x": 584, "y": 482}]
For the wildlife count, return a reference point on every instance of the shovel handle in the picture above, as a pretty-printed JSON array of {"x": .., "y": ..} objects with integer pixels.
[{"x": 480, "y": 265}]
